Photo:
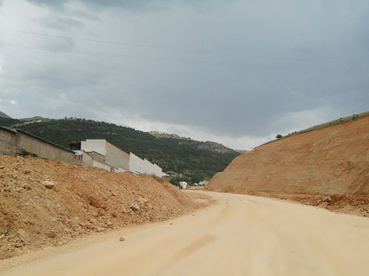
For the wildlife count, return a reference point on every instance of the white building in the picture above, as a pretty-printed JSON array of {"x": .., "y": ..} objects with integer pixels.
[{"x": 108, "y": 156}]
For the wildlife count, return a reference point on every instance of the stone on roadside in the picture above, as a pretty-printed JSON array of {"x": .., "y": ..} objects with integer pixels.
[
  {"x": 135, "y": 207},
  {"x": 48, "y": 184},
  {"x": 23, "y": 235},
  {"x": 327, "y": 199}
]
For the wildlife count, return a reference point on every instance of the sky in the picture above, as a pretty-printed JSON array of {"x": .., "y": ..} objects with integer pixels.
[{"x": 231, "y": 71}]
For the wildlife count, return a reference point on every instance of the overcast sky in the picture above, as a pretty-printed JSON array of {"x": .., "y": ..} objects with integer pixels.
[{"x": 232, "y": 71}]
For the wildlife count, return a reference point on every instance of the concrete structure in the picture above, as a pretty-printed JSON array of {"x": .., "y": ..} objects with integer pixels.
[
  {"x": 98, "y": 153},
  {"x": 139, "y": 165},
  {"x": 15, "y": 141},
  {"x": 135, "y": 163},
  {"x": 157, "y": 170},
  {"x": 108, "y": 156},
  {"x": 8, "y": 140}
]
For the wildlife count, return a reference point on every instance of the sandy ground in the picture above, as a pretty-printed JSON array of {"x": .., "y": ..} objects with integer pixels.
[{"x": 241, "y": 235}]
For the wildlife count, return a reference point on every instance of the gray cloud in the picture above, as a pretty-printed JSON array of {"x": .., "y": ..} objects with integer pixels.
[
  {"x": 234, "y": 70},
  {"x": 83, "y": 15},
  {"x": 133, "y": 5},
  {"x": 54, "y": 4},
  {"x": 61, "y": 23}
]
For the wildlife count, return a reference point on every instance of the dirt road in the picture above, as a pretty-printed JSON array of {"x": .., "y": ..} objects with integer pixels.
[{"x": 242, "y": 235}]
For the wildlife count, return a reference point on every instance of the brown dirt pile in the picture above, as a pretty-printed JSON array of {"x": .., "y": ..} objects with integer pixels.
[
  {"x": 307, "y": 168},
  {"x": 47, "y": 203}
]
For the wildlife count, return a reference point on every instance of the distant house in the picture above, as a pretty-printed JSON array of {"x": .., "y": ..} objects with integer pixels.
[{"x": 108, "y": 156}]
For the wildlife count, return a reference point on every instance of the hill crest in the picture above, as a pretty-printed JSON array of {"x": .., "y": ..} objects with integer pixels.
[{"x": 3, "y": 115}]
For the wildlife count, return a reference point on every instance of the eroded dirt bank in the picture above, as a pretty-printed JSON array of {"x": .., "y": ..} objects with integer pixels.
[
  {"x": 48, "y": 203},
  {"x": 327, "y": 168}
]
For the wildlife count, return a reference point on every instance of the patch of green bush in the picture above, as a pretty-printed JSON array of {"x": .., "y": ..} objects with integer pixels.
[{"x": 23, "y": 152}]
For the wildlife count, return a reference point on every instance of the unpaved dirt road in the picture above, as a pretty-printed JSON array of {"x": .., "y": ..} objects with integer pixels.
[{"x": 241, "y": 235}]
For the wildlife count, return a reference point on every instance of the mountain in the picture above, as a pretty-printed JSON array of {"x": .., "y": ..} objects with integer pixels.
[
  {"x": 159, "y": 134},
  {"x": 172, "y": 153},
  {"x": 208, "y": 145},
  {"x": 7, "y": 121},
  {"x": 3, "y": 115},
  {"x": 32, "y": 118}
]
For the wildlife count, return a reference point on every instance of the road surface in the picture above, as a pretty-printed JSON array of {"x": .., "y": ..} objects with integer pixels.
[{"x": 241, "y": 235}]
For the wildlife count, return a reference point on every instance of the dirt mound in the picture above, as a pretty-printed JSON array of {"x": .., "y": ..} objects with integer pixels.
[
  {"x": 47, "y": 203},
  {"x": 307, "y": 168}
]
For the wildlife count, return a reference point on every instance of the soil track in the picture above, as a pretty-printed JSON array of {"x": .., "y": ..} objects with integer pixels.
[
  {"x": 327, "y": 168},
  {"x": 241, "y": 235},
  {"x": 49, "y": 203}
]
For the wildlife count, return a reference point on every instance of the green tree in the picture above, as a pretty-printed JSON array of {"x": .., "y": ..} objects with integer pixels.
[
  {"x": 196, "y": 177},
  {"x": 178, "y": 178}
]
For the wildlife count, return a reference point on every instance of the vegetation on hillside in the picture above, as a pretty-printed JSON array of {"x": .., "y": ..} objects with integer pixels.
[
  {"x": 334, "y": 122},
  {"x": 7, "y": 122},
  {"x": 325, "y": 125},
  {"x": 171, "y": 154}
]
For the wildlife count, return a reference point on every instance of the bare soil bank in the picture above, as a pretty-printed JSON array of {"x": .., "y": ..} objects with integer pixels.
[
  {"x": 48, "y": 203},
  {"x": 327, "y": 168}
]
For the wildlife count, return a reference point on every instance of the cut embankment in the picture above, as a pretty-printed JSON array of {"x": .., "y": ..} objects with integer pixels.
[
  {"x": 327, "y": 167},
  {"x": 48, "y": 203}
]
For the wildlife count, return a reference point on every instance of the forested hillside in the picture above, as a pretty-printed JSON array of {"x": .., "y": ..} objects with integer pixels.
[{"x": 177, "y": 155}]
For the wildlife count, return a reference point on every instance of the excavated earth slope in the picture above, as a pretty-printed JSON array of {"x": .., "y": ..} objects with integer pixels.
[
  {"x": 327, "y": 168},
  {"x": 48, "y": 203}
]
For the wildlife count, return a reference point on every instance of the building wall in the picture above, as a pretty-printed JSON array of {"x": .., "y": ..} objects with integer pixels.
[
  {"x": 157, "y": 170},
  {"x": 42, "y": 148},
  {"x": 98, "y": 145},
  {"x": 101, "y": 165},
  {"x": 96, "y": 156},
  {"x": 82, "y": 158},
  {"x": 8, "y": 141},
  {"x": 98, "y": 153},
  {"x": 147, "y": 168},
  {"x": 106, "y": 153},
  {"x": 139, "y": 165},
  {"x": 115, "y": 157},
  {"x": 136, "y": 164},
  {"x": 86, "y": 160},
  {"x": 14, "y": 141}
]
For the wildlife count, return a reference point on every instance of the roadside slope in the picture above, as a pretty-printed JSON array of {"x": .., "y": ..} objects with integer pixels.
[
  {"x": 331, "y": 161},
  {"x": 47, "y": 203}
]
